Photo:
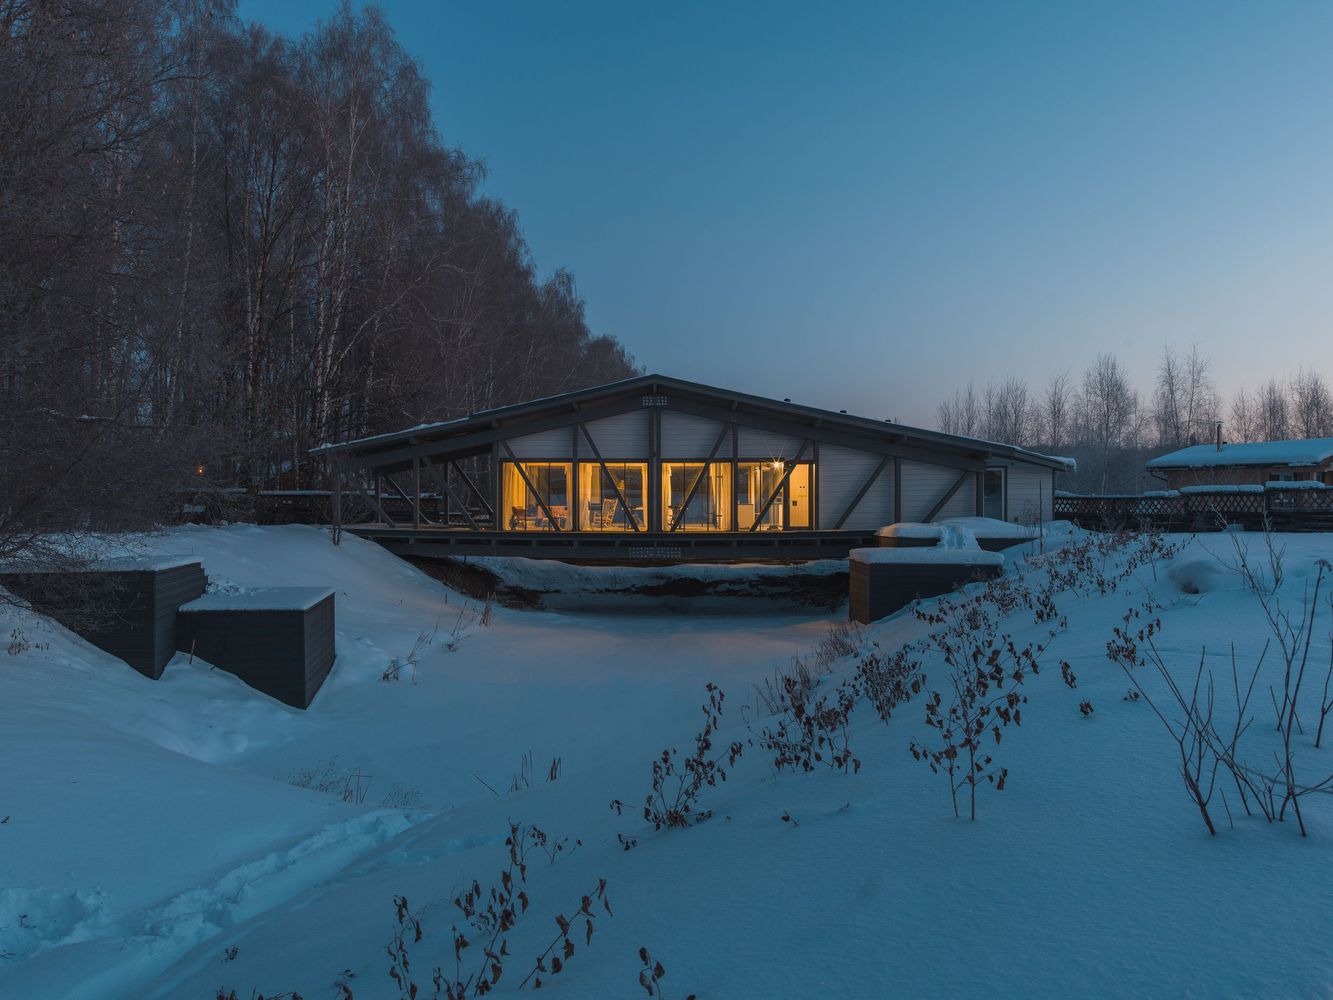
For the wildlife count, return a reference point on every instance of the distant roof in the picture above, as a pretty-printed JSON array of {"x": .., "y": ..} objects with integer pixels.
[
  {"x": 493, "y": 418},
  {"x": 1297, "y": 452}
]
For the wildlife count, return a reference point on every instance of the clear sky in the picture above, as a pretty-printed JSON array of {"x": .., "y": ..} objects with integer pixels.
[{"x": 863, "y": 206}]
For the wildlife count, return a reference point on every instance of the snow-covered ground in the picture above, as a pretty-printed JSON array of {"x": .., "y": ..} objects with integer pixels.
[{"x": 152, "y": 843}]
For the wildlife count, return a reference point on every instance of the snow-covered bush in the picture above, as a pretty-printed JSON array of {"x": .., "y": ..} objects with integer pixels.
[
  {"x": 890, "y": 680},
  {"x": 810, "y": 731},
  {"x": 677, "y": 784},
  {"x": 985, "y": 670},
  {"x": 490, "y": 915}
]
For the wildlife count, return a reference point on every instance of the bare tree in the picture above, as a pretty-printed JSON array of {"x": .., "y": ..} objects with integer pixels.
[
  {"x": 1109, "y": 417},
  {"x": 1243, "y": 418},
  {"x": 1311, "y": 407},
  {"x": 1184, "y": 403},
  {"x": 1057, "y": 404},
  {"x": 219, "y": 247},
  {"x": 1273, "y": 417},
  {"x": 1011, "y": 416},
  {"x": 961, "y": 414}
]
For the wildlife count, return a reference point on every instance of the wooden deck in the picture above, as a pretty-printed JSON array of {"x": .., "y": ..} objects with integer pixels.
[{"x": 593, "y": 546}]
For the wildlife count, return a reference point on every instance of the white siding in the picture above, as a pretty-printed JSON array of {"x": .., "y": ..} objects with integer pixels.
[
  {"x": 842, "y": 472},
  {"x": 624, "y": 436},
  {"x": 558, "y": 443},
  {"x": 767, "y": 445},
  {"x": 1029, "y": 489},
  {"x": 923, "y": 485},
  {"x": 686, "y": 436}
]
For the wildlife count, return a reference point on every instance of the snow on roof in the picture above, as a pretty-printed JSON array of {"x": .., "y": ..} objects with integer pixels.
[
  {"x": 990, "y": 527},
  {"x": 261, "y": 599},
  {"x": 1299, "y": 452},
  {"x": 112, "y": 564},
  {"x": 923, "y": 555},
  {"x": 1302, "y": 484},
  {"x": 958, "y": 532}
]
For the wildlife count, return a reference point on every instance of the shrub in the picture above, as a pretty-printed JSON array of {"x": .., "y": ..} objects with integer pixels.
[
  {"x": 490, "y": 915},
  {"x": 677, "y": 784}
]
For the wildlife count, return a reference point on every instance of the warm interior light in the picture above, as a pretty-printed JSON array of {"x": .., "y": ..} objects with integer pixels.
[
  {"x": 777, "y": 463},
  {"x": 198, "y": 470}
]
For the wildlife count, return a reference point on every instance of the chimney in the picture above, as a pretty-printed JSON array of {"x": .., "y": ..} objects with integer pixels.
[{"x": 1219, "y": 435}]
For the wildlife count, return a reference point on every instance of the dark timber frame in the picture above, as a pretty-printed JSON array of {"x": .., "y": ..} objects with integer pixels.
[
  {"x": 398, "y": 459},
  {"x": 608, "y": 478}
]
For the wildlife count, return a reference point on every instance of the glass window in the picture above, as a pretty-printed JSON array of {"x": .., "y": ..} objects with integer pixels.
[
  {"x": 600, "y": 507},
  {"x": 519, "y": 506},
  {"x": 707, "y": 509},
  {"x": 756, "y": 482}
]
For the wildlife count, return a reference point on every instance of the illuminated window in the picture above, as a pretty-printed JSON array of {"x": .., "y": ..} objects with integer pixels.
[
  {"x": 548, "y": 481},
  {"x": 603, "y": 500},
  {"x": 706, "y": 508},
  {"x": 789, "y": 504}
]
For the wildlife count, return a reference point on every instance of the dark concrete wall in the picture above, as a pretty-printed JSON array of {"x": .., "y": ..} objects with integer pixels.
[
  {"x": 879, "y": 589},
  {"x": 135, "y": 617},
  {"x": 286, "y": 654}
]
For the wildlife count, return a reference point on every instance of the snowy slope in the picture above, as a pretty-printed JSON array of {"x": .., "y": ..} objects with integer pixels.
[{"x": 152, "y": 829}]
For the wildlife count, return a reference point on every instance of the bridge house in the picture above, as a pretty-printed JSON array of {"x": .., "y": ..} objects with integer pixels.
[{"x": 659, "y": 468}]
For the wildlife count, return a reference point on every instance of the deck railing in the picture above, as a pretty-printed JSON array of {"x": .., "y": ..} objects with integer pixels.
[{"x": 1204, "y": 509}]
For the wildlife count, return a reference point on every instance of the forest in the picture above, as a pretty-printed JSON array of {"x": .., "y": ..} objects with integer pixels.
[
  {"x": 1111, "y": 428},
  {"x": 220, "y": 247}
]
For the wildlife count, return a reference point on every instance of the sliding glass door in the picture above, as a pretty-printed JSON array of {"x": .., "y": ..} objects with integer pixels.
[
  {"x": 612, "y": 500},
  {"x": 778, "y": 501},
  {"x": 695, "y": 496},
  {"x": 535, "y": 496}
]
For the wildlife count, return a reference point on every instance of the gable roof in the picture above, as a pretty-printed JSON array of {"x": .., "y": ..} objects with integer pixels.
[
  {"x": 1298, "y": 453},
  {"x": 738, "y": 402}
]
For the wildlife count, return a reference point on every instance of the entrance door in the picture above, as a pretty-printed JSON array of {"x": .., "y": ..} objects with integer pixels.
[
  {"x": 799, "y": 512},
  {"x": 992, "y": 494}
]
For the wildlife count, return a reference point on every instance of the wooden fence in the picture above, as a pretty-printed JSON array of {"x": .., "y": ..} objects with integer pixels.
[{"x": 1282, "y": 509}]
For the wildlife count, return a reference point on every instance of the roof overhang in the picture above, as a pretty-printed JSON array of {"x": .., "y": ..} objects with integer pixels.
[{"x": 475, "y": 434}]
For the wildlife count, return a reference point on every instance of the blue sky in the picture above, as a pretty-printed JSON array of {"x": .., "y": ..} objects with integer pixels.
[{"x": 864, "y": 206}]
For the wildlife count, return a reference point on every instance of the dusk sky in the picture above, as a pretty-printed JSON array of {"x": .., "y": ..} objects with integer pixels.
[{"x": 863, "y": 207}]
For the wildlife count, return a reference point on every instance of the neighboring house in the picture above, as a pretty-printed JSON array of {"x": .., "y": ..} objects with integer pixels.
[
  {"x": 656, "y": 467},
  {"x": 1301, "y": 460}
]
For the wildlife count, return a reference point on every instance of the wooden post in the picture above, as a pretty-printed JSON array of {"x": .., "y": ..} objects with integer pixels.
[
  {"x": 336, "y": 513},
  {"x": 897, "y": 490},
  {"x": 735, "y": 482},
  {"x": 654, "y": 499},
  {"x": 813, "y": 489},
  {"x": 416, "y": 493},
  {"x": 576, "y": 504}
]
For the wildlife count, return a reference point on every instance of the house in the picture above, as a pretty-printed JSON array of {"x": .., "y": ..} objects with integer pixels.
[
  {"x": 659, "y": 468},
  {"x": 1253, "y": 463}
]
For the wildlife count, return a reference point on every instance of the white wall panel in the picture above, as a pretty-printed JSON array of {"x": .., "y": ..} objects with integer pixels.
[
  {"x": 686, "y": 436},
  {"x": 767, "y": 445},
  {"x": 558, "y": 443},
  {"x": 624, "y": 436},
  {"x": 923, "y": 485},
  {"x": 842, "y": 472},
  {"x": 1030, "y": 493}
]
